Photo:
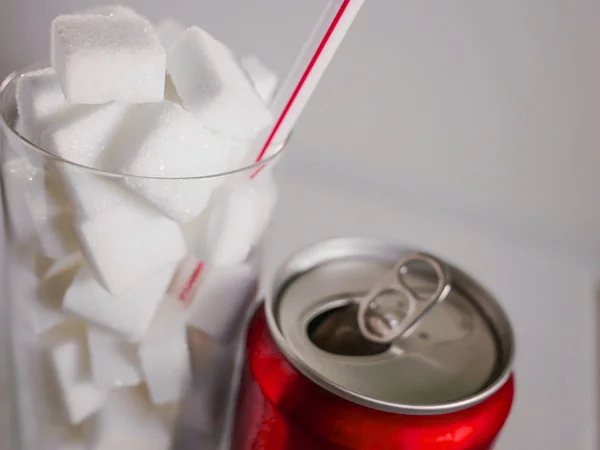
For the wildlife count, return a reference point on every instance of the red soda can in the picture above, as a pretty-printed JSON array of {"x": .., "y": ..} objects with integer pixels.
[{"x": 365, "y": 345}]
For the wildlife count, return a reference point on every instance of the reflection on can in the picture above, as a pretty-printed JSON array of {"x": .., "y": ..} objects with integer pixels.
[{"x": 313, "y": 381}]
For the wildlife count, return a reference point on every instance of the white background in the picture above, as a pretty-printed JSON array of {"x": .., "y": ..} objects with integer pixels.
[{"x": 466, "y": 127}]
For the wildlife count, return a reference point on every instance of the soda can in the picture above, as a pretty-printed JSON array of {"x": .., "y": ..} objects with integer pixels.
[{"x": 366, "y": 345}]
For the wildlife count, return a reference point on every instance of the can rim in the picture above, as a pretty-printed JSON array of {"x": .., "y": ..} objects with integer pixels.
[{"x": 332, "y": 249}]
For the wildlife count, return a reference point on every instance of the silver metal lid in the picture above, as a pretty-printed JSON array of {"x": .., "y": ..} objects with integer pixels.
[{"x": 457, "y": 355}]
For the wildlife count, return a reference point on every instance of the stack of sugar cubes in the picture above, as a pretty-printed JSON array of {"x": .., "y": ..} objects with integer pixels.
[{"x": 164, "y": 106}]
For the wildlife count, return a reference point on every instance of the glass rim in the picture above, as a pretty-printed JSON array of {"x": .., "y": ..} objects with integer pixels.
[{"x": 13, "y": 76}]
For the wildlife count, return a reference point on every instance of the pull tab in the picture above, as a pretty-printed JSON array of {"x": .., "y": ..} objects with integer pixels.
[{"x": 384, "y": 326}]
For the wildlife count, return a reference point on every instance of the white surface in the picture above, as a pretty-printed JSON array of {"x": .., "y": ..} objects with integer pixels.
[
  {"x": 212, "y": 84},
  {"x": 127, "y": 315},
  {"x": 164, "y": 354},
  {"x": 81, "y": 397}
]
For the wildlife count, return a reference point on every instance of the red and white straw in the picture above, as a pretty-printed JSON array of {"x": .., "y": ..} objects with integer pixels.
[
  {"x": 311, "y": 64},
  {"x": 298, "y": 86}
]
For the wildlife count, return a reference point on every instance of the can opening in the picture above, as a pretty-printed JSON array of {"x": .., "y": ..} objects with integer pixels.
[{"x": 336, "y": 331}]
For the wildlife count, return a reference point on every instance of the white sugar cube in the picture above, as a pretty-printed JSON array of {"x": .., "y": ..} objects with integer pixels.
[
  {"x": 45, "y": 306},
  {"x": 128, "y": 421},
  {"x": 16, "y": 145},
  {"x": 128, "y": 315},
  {"x": 108, "y": 58},
  {"x": 269, "y": 193},
  {"x": 264, "y": 79},
  {"x": 194, "y": 230},
  {"x": 71, "y": 367},
  {"x": 164, "y": 140},
  {"x": 86, "y": 133},
  {"x": 109, "y": 10},
  {"x": 164, "y": 354},
  {"x": 41, "y": 315},
  {"x": 127, "y": 244},
  {"x": 115, "y": 362},
  {"x": 93, "y": 195},
  {"x": 233, "y": 225},
  {"x": 85, "y": 136},
  {"x": 214, "y": 86},
  {"x": 40, "y": 100},
  {"x": 18, "y": 174},
  {"x": 169, "y": 31},
  {"x": 221, "y": 303},
  {"x": 51, "y": 215}
]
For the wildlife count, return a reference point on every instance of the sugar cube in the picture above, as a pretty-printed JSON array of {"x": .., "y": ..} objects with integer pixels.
[
  {"x": 44, "y": 305},
  {"x": 128, "y": 315},
  {"x": 109, "y": 10},
  {"x": 115, "y": 362},
  {"x": 164, "y": 141},
  {"x": 245, "y": 153},
  {"x": 108, "y": 58},
  {"x": 85, "y": 136},
  {"x": 232, "y": 225},
  {"x": 223, "y": 298},
  {"x": 264, "y": 79},
  {"x": 17, "y": 175},
  {"x": 164, "y": 354},
  {"x": 128, "y": 421},
  {"x": 169, "y": 31},
  {"x": 269, "y": 193},
  {"x": 40, "y": 100},
  {"x": 17, "y": 146},
  {"x": 214, "y": 86},
  {"x": 126, "y": 245},
  {"x": 92, "y": 194},
  {"x": 19, "y": 126},
  {"x": 51, "y": 214},
  {"x": 40, "y": 315},
  {"x": 194, "y": 231},
  {"x": 71, "y": 367}
]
